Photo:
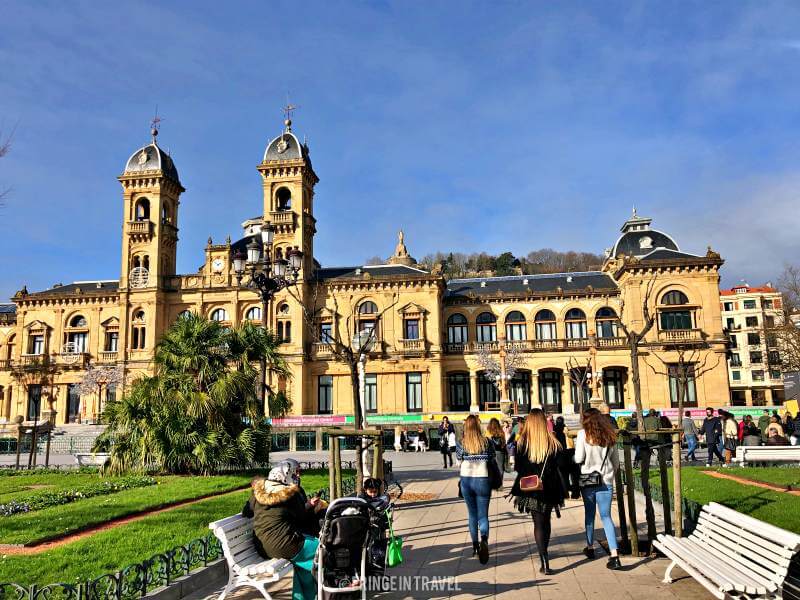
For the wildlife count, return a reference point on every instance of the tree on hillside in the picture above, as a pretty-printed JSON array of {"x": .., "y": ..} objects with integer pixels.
[
  {"x": 546, "y": 260},
  {"x": 201, "y": 409}
]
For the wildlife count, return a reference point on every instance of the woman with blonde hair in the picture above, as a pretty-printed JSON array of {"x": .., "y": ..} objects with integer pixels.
[
  {"x": 596, "y": 452},
  {"x": 475, "y": 451},
  {"x": 538, "y": 488}
]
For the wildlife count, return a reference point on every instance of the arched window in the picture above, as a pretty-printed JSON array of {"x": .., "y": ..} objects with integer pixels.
[
  {"x": 575, "y": 321},
  {"x": 142, "y": 211},
  {"x": 184, "y": 314},
  {"x": 545, "y": 322},
  {"x": 675, "y": 318},
  {"x": 78, "y": 335},
  {"x": 366, "y": 315},
  {"x": 457, "y": 329},
  {"x": 284, "y": 199},
  {"x": 606, "y": 323},
  {"x": 10, "y": 348},
  {"x": 674, "y": 298},
  {"x": 253, "y": 313},
  {"x": 368, "y": 308},
  {"x": 486, "y": 327},
  {"x": 550, "y": 390},
  {"x": 165, "y": 214},
  {"x": 515, "y": 326},
  {"x": 138, "y": 331},
  {"x": 137, "y": 262},
  {"x": 219, "y": 314}
]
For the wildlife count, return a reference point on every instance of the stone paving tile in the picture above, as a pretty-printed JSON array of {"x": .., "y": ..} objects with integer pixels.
[{"x": 437, "y": 543}]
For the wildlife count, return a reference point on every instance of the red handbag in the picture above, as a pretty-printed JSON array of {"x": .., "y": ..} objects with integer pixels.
[{"x": 532, "y": 483}]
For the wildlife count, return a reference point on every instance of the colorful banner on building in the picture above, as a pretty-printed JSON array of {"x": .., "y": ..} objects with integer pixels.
[{"x": 312, "y": 421}]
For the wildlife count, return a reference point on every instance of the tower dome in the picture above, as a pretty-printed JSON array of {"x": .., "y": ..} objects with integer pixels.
[
  {"x": 638, "y": 239},
  {"x": 151, "y": 158}
]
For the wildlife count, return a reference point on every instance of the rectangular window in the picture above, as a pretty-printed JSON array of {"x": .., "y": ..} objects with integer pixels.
[
  {"x": 736, "y": 360},
  {"x": 459, "y": 391},
  {"x": 736, "y": 375},
  {"x": 774, "y": 357},
  {"x": 730, "y": 323},
  {"x": 676, "y": 319},
  {"x": 73, "y": 403},
  {"x": 112, "y": 341},
  {"x": 79, "y": 342},
  {"x": 550, "y": 390},
  {"x": 411, "y": 329},
  {"x": 576, "y": 330},
  {"x": 749, "y": 304},
  {"x": 689, "y": 391},
  {"x": 111, "y": 393},
  {"x": 325, "y": 394},
  {"x": 326, "y": 333},
  {"x": 414, "y": 392},
  {"x": 371, "y": 393},
  {"x": 767, "y": 304},
  {"x": 487, "y": 333},
  {"x": 772, "y": 340},
  {"x": 728, "y": 306},
  {"x": 751, "y": 321},
  {"x": 769, "y": 322},
  {"x": 775, "y": 374},
  {"x": 37, "y": 344},
  {"x": 758, "y": 375},
  {"x": 734, "y": 343},
  {"x": 607, "y": 328},
  {"x": 366, "y": 326},
  {"x": 516, "y": 332},
  {"x": 519, "y": 389},
  {"x": 753, "y": 339},
  {"x": 613, "y": 387},
  {"x": 756, "y": 358},
  {"x": 456, "y": 334},
  {"x": 34, "y": 401},
  {"x": 545, "y": 331}
]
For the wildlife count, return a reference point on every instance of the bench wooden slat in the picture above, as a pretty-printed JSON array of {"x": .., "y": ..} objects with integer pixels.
[
  {"x": 675, "y": 548},
  {"x": 761, "y": 544},
  {"x": 748, "y": 573},
  {"x": 765, "y": 552},
  {"x": 770, "y": 532}
]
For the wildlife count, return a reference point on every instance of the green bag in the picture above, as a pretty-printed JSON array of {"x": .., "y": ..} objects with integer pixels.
[{"x": 394, "y": 550}]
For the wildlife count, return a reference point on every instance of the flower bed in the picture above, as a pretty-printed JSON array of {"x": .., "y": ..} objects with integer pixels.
[{"x": 40, "y": 500}]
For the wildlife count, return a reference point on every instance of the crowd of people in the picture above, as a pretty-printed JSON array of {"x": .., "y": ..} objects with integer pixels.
[{"x": 549, "y": 467}]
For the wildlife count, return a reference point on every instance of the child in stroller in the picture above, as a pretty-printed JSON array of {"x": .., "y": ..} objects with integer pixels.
[{"x": 352, "y": 550}]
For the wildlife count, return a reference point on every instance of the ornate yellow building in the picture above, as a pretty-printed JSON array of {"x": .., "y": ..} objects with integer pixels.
[{"x": 458, "y": 345}]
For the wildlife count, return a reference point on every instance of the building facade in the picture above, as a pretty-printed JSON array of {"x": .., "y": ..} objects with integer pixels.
[
  {"x": 754, "y": 361},
  {"x": 441, "y": 346}
]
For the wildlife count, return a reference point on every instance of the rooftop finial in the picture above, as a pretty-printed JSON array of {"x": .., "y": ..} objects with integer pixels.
[
  {"x": 634, "y": 212},
  {"x": 155, "y": 124},
  {"x": 287, "y": 111}
]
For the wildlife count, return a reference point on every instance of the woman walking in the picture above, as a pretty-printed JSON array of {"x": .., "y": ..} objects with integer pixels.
[
  {"x": 475, "y": 451},
  {"x": 595, "y": 448},
  {"x": 538, "y": 454},
  {"x": 495, "y": 433},
  {"x": 445, "y": 428},
  {"x": 730, "y": 434}
]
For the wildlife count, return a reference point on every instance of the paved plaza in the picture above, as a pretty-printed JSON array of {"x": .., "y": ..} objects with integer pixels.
[{"x": 437, "y": 544}]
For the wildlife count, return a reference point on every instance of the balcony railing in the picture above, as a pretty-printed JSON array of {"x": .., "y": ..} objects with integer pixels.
[
  {"x": 490, "y": 346},
  {"x": 612, "y": 342},
  {"x": 576, "y": 343},
  {"x": 27, "y": 360},
  {"x": 412, "y": 346},
  {"x": 679, "y": 336},
  {"x": 75, "y": 360},
  {"x": 456, "y": 348},
  {"x": 107, "y": 356},
  {"x": 321, "y": 349},
  {"x": 282, "y": 217},
  {"x": 140, "y": 227}
]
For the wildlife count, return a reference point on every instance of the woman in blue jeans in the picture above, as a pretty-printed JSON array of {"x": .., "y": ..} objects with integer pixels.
[
  {"x": 475, "y": 451},
  {"x": 596, "y": 449}
]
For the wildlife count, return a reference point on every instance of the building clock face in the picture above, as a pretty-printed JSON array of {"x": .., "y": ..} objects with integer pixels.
[{"x": 218, "y": 265}]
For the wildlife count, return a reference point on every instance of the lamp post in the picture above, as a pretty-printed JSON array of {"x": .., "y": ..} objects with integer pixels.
[{"x": 258, "y": 270}]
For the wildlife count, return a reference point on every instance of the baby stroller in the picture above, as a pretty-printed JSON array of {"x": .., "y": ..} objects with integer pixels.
[{"x": 342, "y": 554}]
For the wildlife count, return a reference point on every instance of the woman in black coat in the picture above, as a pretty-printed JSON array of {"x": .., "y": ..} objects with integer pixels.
[{"x": 539, "y": 453}]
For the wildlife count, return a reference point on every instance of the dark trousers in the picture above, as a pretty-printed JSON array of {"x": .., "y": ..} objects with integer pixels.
[{"x": 446, "y": 454}]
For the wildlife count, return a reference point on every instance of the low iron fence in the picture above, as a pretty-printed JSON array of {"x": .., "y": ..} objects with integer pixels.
[{"x": 58, "y": 444}]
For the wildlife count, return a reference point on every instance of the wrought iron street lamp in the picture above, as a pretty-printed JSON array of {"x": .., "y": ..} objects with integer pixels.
[{"x": 258, "y": 270}]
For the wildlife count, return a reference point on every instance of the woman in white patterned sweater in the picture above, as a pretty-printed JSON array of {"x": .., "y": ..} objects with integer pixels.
[{"x": 475, "y": 451}]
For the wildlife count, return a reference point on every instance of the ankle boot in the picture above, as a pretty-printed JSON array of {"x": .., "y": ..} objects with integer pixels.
[
  {"x": 475, "y": 548},
  {"x": 613, "y": 563},
  {"x": 483, "y": 550},
  {"x": 544, "y": 561}
]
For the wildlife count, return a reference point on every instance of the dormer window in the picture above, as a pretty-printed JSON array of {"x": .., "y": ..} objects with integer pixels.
[{"x": 283, "y": 199}]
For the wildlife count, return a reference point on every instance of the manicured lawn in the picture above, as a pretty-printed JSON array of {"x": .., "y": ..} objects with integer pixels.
[
  {"x": 109, "y": 551},
  {"x": 786, "y": 476},
  {"x": 26, "y": 528},
  {"x": 15, "y": 486},
  {"x": 779, "y": 508}
]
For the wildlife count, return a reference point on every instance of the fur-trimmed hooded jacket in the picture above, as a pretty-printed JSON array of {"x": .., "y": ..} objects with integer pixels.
[{"x": 280, "y": 518}]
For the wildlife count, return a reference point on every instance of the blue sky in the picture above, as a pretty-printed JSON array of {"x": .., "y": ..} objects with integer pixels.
[{"x": 474, "y": 126}]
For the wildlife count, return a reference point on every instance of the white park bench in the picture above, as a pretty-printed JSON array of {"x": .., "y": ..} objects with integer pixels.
[
  {"x": 246, "y": 567},
  {"x": 735, "y": 556},
  {"x": 91, "y": 459},
  {"x": 751, "y": 454}
]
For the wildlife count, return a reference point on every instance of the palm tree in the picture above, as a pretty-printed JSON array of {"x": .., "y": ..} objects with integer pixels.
[{"x": 200, "y": 411}]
